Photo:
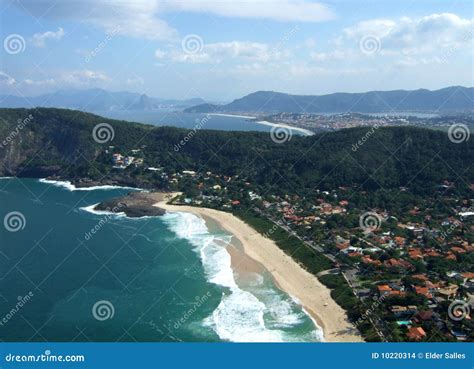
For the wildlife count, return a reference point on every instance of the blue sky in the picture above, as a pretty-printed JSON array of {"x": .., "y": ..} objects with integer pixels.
[{"x": 221, "y": 50}]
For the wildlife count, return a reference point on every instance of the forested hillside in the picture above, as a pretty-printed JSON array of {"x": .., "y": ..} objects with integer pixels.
[{"x": 56, "y": 141}]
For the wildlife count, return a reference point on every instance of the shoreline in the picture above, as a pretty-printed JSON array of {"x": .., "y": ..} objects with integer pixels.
[
  {"x": 288, "y": 275},
  {"x": 304, "y": 131},
  {"x": 232, "y": 115}
]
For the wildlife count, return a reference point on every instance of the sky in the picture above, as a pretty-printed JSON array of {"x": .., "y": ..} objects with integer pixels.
[{"x": 222, "y": 50}]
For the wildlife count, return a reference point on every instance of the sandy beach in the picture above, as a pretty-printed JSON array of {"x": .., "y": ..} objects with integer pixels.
[
  {"x": 304, "y": 131},
  {"x": 289, "y": 275},
  {"x": 233, "y": 115}
]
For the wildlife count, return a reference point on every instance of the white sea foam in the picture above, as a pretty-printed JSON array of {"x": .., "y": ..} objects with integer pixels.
[
  {"x": 90, "y": 209},
  {"x": 304, "y": 131},
  {"x": 69, "y": 186},
  {"x": 239, "y": 317}
]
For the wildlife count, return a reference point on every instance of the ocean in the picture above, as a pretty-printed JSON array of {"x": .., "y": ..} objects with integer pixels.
[{"x": 68, "y": 273}]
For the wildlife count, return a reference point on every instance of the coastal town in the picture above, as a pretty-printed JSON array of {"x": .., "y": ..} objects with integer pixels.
[
  {"x": 409, "y": 269},
  {"x": 410, "y": 272},
  {"x": 332, "y": 122}
]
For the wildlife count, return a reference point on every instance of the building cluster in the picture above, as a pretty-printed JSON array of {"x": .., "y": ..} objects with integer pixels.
[
  {"x": 416, "y": 261},
  {"x": 120, "y": 161},
  {"x": 318, "y": 122}
]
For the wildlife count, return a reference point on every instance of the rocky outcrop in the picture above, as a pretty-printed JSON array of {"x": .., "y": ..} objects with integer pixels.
[{"x": 135, "y": 204}]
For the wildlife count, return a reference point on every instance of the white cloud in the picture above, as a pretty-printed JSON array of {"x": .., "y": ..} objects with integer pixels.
[
  {"x": 39, "y": 39},
  {"x": 220, "y": 51},
  {"x": 402, "y": 42},
  {"x": 331, "y": 55},
  {"x": 142, "y": 18},
  {"x": 6, "y": 80},
  {"x": 135, "y": 18},
  {"x": 83, "y": 78},
  {"x": 50, "y": 82},
  {"x": 412, "y": 36},
  {"x": 135, "y": 81},
  {"x": 411, "y": 62}
]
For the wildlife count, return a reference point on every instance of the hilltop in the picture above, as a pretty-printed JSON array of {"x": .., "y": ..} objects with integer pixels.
[
  {"x": 449, "y": 99},
  {"x": 60, "y": 142}
]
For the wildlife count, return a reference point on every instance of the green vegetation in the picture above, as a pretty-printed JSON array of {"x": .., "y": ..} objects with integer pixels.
[
  {"x": 315, "y": 188},
  {"x": 311, "y": 260},
  {"x": 62, "y": 140},
  {"x": 341, "y": 292}
]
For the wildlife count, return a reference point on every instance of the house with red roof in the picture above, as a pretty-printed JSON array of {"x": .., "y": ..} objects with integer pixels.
[
  {"x": 416, "y": 333},
  {"x": 423, "y": 291}
]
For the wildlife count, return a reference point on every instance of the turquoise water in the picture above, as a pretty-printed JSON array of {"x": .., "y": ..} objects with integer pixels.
[{"x": 70, "y": 274}]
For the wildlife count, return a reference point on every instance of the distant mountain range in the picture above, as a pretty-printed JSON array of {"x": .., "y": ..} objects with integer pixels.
[
  {"x": 447, "y": 100},
  {"x": 94, "y": 100}
]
